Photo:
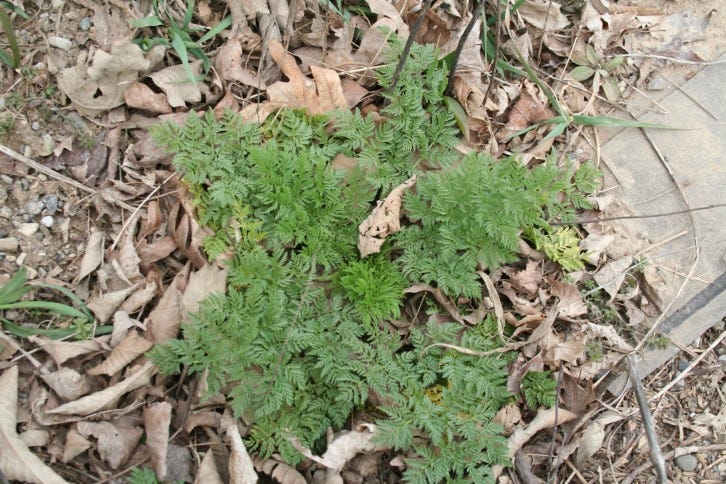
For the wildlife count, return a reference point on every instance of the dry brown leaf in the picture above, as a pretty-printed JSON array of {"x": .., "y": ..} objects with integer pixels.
[
  {"x": 67, "y": 383},
  {"x": 202, "y": 283},
  {"x": 140, "y": 96},
  {"x": 156, "y": 251},
  {"x": 17, "y": 462},
  {"x": 571, "y": 302},
  {"x": 8, "y": 346},
  {"x": 384, "y": 8},
  {"x": 103, "y": 306},
  {"x": 345, "y": 446},
  {"x": 96, "y": 401},
  {"x": 594, "y": 245},
  {"x": 165, "y": 319},
  {"x": 528, "y": 280},
  {"x": 612, "y": 275},
  {"x": 228, "y": 64},
  {"x": 508, "y": 416},
  {"x": 281, "y": 472},
  {"x": 62, "y": 351},
  {"x": 187, "y": 233},
  {"x": 591, "y": 441},
  {"x": 440, "y": 297},
  {"x": 208, "y": 473},
  {"x": 241, "y": 468},
  {"x": 531, "y": 107},
  {"x": 127, "y": 351},
  {"x": 122, "y": 323},
  {"x": 75, "y": 445},
  {"x": 157, "y": 418},
  {"x": 383, "y": 221},
  {"x": 93, "y": 256},
  {"x": 35, "y": 438},
  {"x": 545, "y": 419},
  {"x": 610, "y": 334},
  {"x": 318, "y": 96},
  {"x": 98, "y": 88},
  {"x": 177, "y": 86},
  {"x": 557, "y": 349},
  {"x": 128, "y": 259},
  {"x": 115, "y": 443},
  {"x": 139, "y": 298},
  {"x": 203, "y": 418},
  {"x": 546, "y": 15}
]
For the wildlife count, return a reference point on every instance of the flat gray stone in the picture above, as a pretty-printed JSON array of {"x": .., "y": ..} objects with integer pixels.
[{"x": 655, "y": 171}]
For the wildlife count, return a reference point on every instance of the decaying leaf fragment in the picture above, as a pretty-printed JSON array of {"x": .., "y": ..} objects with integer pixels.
[
  {"x": 115, "y": 443},
  {"x": 157, "y": 418},
  {"x": 383, "y": 221},
  {"x": 318, "y": 96},
  {"x": 17, "y": 462},
  {"x": 127, "y": 351},
  {"x": 101, "y": 87},
  {"x": 344, "y": 447},
  {"x": 96, "y": 401}
]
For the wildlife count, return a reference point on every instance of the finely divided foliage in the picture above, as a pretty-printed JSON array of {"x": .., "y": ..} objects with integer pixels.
[{"x": 300, "y": 341}]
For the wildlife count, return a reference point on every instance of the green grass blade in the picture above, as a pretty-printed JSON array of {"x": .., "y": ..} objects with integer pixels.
[
  {"x": 214, "y": 31},
  {"x": 609, "y": 122},
  {"x": 181, "y": 49},
  {"x": 53, "y": 333},
  {"x": 70, "y": 295},
  {"x": 13, "y": 290},
  {"x": 188, "y": 14},
  {"x": 145, "y": 22},
  {"x": 7, "y": 25},
  {"x": 54, "y": 307}
]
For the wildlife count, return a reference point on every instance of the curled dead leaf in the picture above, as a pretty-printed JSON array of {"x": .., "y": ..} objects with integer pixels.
[
  {"x": 103, "y": 306},
  {"x": 93, "y": 256},
  {"x": 75, "y": 445},
  {"x": 17, "y": 462},
  {"x": 157, "y": 418},
  {"x": 241, "y": 468},
  {"x": 62, "y": 351},
  {"x": 177, "y": 86},
  {"x": 383, "y": 221},
  {"x": 96, "y": 401},
  {"x": 67, "y": 383},
  {"x": 98, "y": 88},
  {"x": 127, "y": 351},
  {"x": 115, "y": 443},
  {"x": 140, "y": 96},
  {"x": 202, "y": 283}
]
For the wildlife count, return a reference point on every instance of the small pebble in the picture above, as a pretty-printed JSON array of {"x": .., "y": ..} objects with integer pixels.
[
  {"x": 20, "y": 260},
  {"x": 85, "y": 23},
  {"x": 34, "y": 206},
  {"x": 28, "y": 229},
  {"x": 6, "y": 212},
  {"x": 11, "y": 314},
  {"x": 722, "y": 358},
  {"x": 6, "y": 179},
  {"x": 687, "y": 463},
  {"x": 9, "y": 244},
  {"x": 35, "y": 126},
  {"x": 47, "y": 221},
  {"x": 50, "y": 202},
  {"x": 60, "y": 43},
  {"x": 3, "y": 233},
  {"x": 682, "y": 365}
]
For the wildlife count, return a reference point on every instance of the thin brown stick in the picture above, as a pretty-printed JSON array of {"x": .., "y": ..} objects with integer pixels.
[
  {"x": 656, "y": 455},
  {"x": 648, "y": 215}
]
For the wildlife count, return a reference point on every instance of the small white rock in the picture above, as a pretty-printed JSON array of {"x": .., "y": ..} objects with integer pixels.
[
  {"x": 28, "y": 229},
  {"x": 9, "y": 244},
  {"x": 60, "y": 43},
  {"x": 47, "y": 221},
  {"x": 21, "y": 258}
]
